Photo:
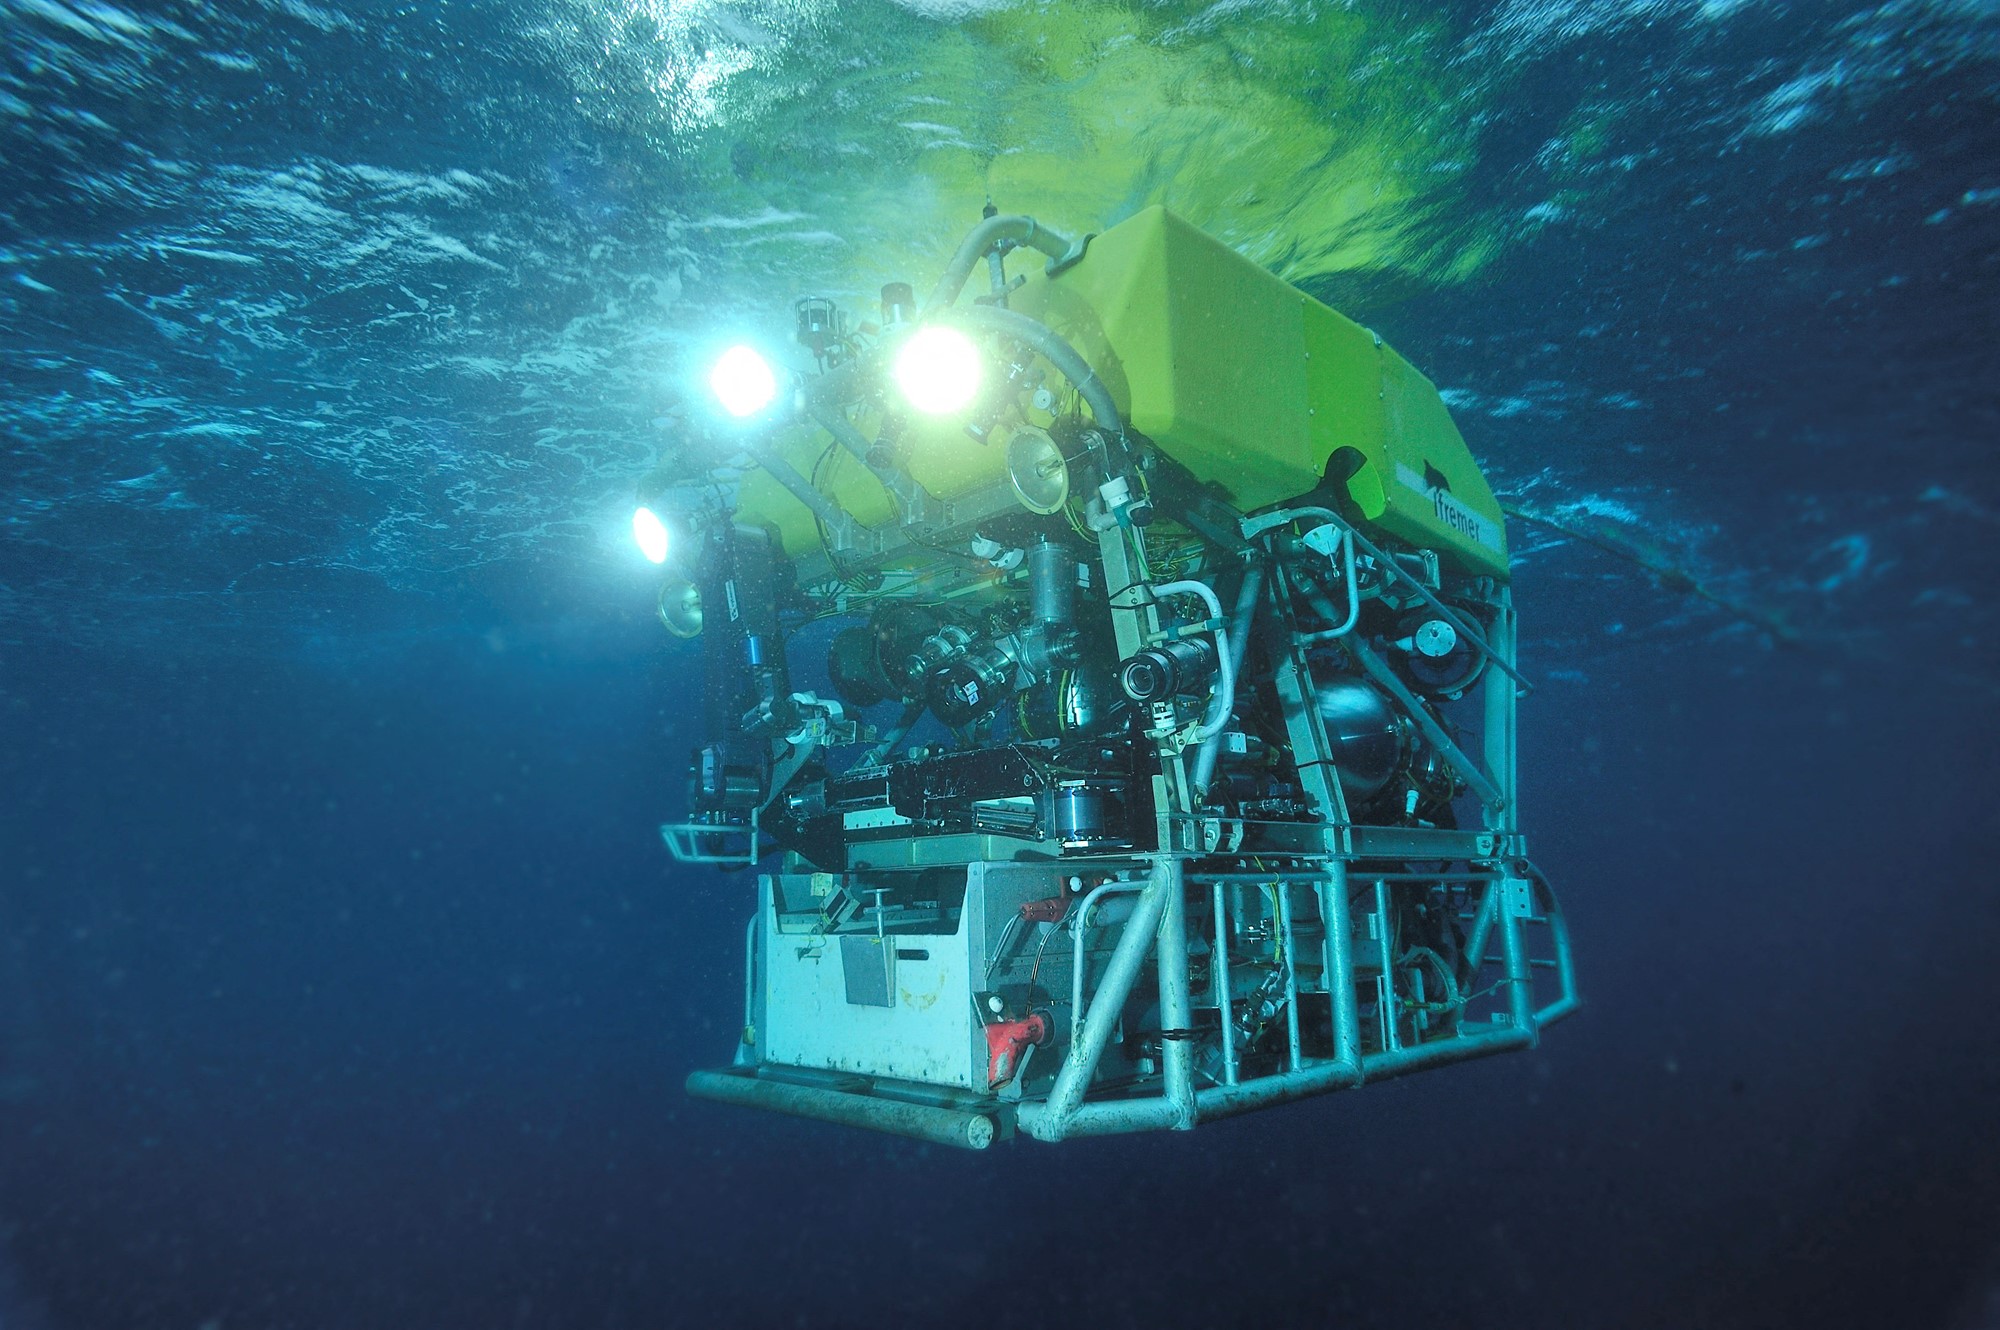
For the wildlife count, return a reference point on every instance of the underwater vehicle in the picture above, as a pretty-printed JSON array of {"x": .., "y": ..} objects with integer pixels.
[{"x": 1122, "y": 664}]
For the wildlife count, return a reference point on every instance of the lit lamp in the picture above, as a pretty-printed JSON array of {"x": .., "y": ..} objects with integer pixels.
[
  {"x": 939, "y": 370},
  {"x": 651, "y": 534},
  {"x": 743, "y": 381}
]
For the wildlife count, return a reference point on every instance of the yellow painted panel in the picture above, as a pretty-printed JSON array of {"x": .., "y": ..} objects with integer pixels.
[
  {"x": 1435, "y": 494},
  {"x": 842, "y": 477},
  {"x": 1246, "y": 381},
  {"x": 1253, "y": 385},
  {"x": 1200, "y": 347}
]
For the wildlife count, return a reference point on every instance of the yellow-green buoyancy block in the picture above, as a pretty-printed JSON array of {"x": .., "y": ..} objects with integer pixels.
[
  {"x": 1252, "y": 385},
  {"x": 1243, "y": 379}
]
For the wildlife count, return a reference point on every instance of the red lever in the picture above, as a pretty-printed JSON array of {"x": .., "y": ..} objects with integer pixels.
[
  {"x": 1006, "y": 1041},
  {"x": 1048, "y": 911}
]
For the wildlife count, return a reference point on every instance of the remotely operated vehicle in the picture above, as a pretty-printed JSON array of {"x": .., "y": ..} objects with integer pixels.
[{"x": 1113, "y": 674}]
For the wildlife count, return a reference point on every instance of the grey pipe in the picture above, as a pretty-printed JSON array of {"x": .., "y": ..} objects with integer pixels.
[
  {"x": 1067, "y": 360},
  {"x": 1565, "y": 968},
  {"x": 962, "y": 1128},
  {"x": 1224, "y": 1002},
  {"x": 1253, "y": 527},
  {"x": 901, "y": 486},
  {"x": 1438, "y": 1052},
  {"x": 1175, "y": 1108},
  {"x": 1176, "y": 1042},
  {"x": 1078, "y": 925},
  {"x": 1345, "y": 1069},
  {"x": 1520, "y": 984},
  {"x": 1049, "y": 1121},
  {"x": 801, "y": 489},
  {"x": 1565, "y": 960},
  {"x": 994, "y": 230},
  {"x": 1339, "y": 977},
  {"x": 1373, "y": 664},
  {"x": 743, "y": 1050},
  {"x": 1239, "y": 637},
  {"x": 1294, "y": 1055},
  {"x": 1111, "y": 1117},
  {"x": 900, "y": 731},
  {"x": 1224, "y": 1101},
  {"x": 1482, "y": 926},
  {"x": 1502, "y": 707}
]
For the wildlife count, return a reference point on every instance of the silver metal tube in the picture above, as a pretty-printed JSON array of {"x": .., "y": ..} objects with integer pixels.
[
  {"x": 1225, "y": 684},
  {"x": 1067, "y": 360},
  {"x": 750, "y": 970},
  {"x": 1421, "y": 1057},
  {"x": 1239, "y": 638},
  {"x": 965, "y": 1129},
  {"x": 1049, "y": 1121},
  {"x": 1110, "y": 1117},
  {"x": 1520, "y": 983},
  {"x": 1223, "y": 1101},
  {"x": 1081, "y": 922},
  {"x": 1353, "y": 597},
  {"x": 1482, "y": 925},
  {"x": 1353, "y": 589},
  {"x": 1051, "y": 583},
  {"x": 1501, "y": 708},
  {"x": 1219, "y": 967},
  {"x": 1339, "y": 927},
  {"x": 900, "y": 485},
  {"x": 1345, "y": 1068},
  {"x": 1489, "y": 794},
  {"x": 802, "y": 489},
  {"x": 1176, "y": 1016},
  {"x": 1565, "y": 959},
  {"x": 1020, "y": 230},
  {"x": 1293, "y": 1055},
  {"x": 897, "y": 733},
  {"x": 1385, "y": 955},
  {"x": 1174, "y": 1108},
  {"x": 1566, "y": 969},
  {"x": 1256, "y": 526}
]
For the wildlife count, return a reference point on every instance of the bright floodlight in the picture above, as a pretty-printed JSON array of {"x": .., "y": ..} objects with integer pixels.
[
  {"x": 651, "y": 533},
  {"x": 938, "y": 370},
  {"x": 743, "y": 382}
]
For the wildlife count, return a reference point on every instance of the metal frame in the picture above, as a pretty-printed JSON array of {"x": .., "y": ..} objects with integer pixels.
[
  {"x": 1324, "y": 877},
  {"x": 1319, "y": 893},
  {"x": 711, "y": 842}
]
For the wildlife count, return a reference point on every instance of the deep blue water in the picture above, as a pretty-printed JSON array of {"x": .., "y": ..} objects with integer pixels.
[{"x": 343, "y": 982}]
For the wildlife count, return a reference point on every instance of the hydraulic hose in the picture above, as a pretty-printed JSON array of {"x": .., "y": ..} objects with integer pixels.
[
  {"x": 1256, "y": 526},
  {"x": 1353, "y": 593},
  {"x": 993, "y": 231},
  {"x": 1069, "y": 362},
  {"x": 1239, "y": 639}
]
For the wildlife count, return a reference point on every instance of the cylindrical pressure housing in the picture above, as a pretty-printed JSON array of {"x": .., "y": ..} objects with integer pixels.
[
  {"x": 1051, "y": 582},
  {"x": 1171, "y": 669}
]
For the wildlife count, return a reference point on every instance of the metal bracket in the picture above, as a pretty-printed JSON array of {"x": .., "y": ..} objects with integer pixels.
[
  {"x": 710, "y": 843},
  {"x": 1057, "y": 267}
]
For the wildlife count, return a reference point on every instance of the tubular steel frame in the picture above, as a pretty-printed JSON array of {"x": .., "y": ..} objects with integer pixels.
[
  {"x": 1512, "y": 901},
  {"x": 1327, "y": 868}
]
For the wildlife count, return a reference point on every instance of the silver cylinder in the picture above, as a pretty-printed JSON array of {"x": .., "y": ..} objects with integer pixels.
[
  {"x": 1051, "y": 582},
  {"x": 941, "y": 1126}
]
